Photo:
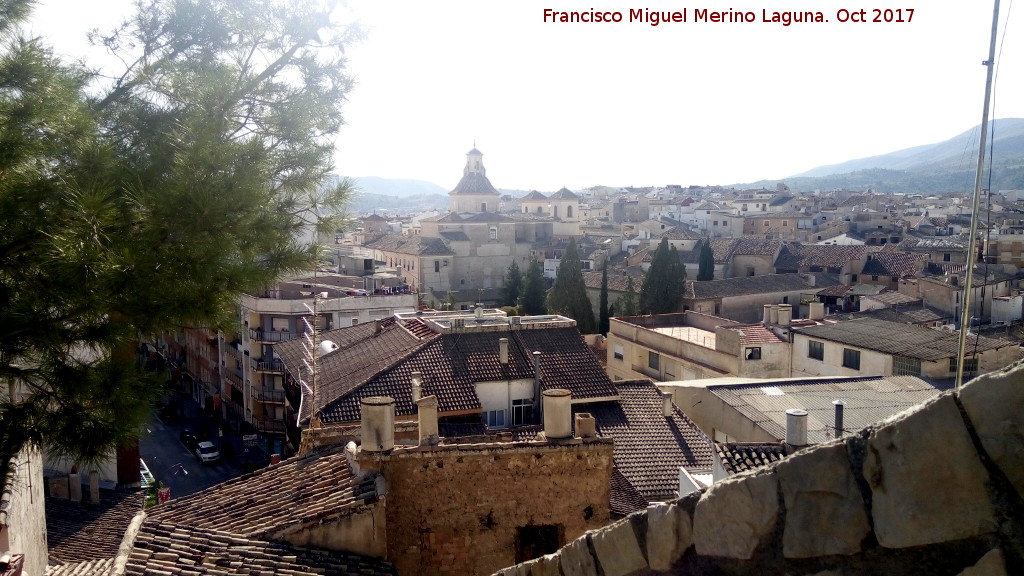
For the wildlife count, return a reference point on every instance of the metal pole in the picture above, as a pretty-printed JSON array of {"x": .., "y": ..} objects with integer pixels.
[{"x": 972, "y": 244}]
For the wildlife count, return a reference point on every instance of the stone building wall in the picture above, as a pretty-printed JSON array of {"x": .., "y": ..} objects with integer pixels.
[
  {"x": 470, "y": 509},
  {"x": 935, "y": 490}
]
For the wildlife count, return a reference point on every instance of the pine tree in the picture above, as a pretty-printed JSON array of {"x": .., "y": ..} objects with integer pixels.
[
  {"x": 513, "y": 285},
  {"x": 568, "y": 296},
  {"x": 663, "y": 285},
  {"x": 532, "y": 300},
  {"x": 154, "y": 201},
  {"x": 604, "y": 321},
  {"x": 706, "y": 271}
]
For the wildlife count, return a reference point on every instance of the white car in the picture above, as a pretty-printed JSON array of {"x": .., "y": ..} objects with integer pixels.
[{"x": 207, "y": 452}]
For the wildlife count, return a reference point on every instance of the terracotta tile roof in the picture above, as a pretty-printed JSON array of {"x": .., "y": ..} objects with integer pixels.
[
  {"x": 415, "y": 245},
  {"x": 899, "y": 339},
  {"x": 894, "y": 298},
  {"x": 901, "y": 315},
  {"x": 99, "y": 567},
  {"x": 649, "y": 447},
  {"x": 451, "y": 364},
  {"x": 481, "y": 217},
  {"x": 177, "y": 548},
  {"x": 755, "y": 246},
  {"x": 950, "y": 243},
  {"x": 362, "y": 353},
  {"x": 617, "y": 281},
  {"x": 564, "y": 194},
  {"x": 474, "y": 183},
  {"x": 625, "y": 499},
  {"x": 80, "y": 531},
  {"x": 534, "y": 195},
  {"x": 837, "y": 291},
  {"x": 756, "y": 334},
  {"x": 298, "y": 492},
  {"x": 897, "y": 264},
  {"x": 455, "y": 236},
  {"x": 746, "y": 285},
  {"x": 801, "y": 257},
  {"x": 739, "y": 457}
]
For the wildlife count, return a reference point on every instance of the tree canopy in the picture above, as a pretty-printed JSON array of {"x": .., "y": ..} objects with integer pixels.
[
  {"x": 568, "y": 296},
  {"x": 149, "y": 198},
  {"x": 532, "y": 301},
  {"x": 512, "y": 288},
  {"x": 664, "y": 282},
  {"x": 629, "y": 303},
  {"x": 604, "y": 321},
  {"x": 706, "y": 269}
]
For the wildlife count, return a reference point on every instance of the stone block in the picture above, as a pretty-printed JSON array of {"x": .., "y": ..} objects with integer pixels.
[
  {"x": 617, "y": 550},
  {"x": 733, "y": 515},
  {"x": 59, "y": 487},
  {"x": 669, "y": 534},
  {"x": 75, "y": 487},
  {"x": 825, "y": 512},
  {"x": 94, "y": 487},
  {"x": 995, "y": 405},
  {"x": 926, "y": 480},
  {"x": 991, "y": 564},
  {"x": 576, "y": 559},
  {"x": 546, "y": 565}
]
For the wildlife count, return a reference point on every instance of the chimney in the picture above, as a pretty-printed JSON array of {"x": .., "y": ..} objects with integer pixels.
[
  {"x": 785, "y": 314},
  {"x": 557, "y": 414},
  {"x": 839, "y": 417},
  {"x": 667, "y": 409},
  {"x": 817, "y": 311},
  {"x": 773, "y": 314},
  {"x": 377, "y": 419},
  {"x": 417, "y": 386},
  {"x": 427, "y": 409},
  {"x": 767, "y": 314},
  {"x": 796, "y": 427},
  {"x": 503, "y": 350},
  {"x": 75, "y": 487},
  {"x": 586, "y": 425}
]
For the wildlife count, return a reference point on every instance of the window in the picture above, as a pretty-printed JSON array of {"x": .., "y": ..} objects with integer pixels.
[
  {"x": 851, "y": 359},
  {"x": 753, "y": 353},
  {"x": 945, "y": 257},
  {"x": 874, "y": 278},
  {"x": 494, "y": 233},
  {"x": 495, "y": 418},
  {"x": 903, "y": 366},
  {"x": 522, "y": 412},
  {"x": 653, "y": 361},
  {"x": 568, "y": 211},
  {"x": 618, "y": 352},
  {"x": 816, "y": 350},
  {"x": 766, "y": 223},
  {"x": 715, "y": 223},
  {"x": 853, "y": 278},
  {"x": 437, "y": 266},
  {"x": 971, "y": 365},
  {"x": 785, "y": 222},
  {"x": 483, "y": 206}
]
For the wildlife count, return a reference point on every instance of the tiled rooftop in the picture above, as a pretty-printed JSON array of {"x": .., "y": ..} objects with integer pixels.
[
  {"x": 625, "y": 499},
  {"x": 80, "y": 531},
  {"x": 867, "y": 400},
  {"x": 303, "y": 491},
  {"x": 796, "y": 256},
  {"x": 899, "y": 339},
  {"x": 177, "y": 548},
  {"x": 739, "y": 457},
  {"x": 474, "y": 183},
  {"x": 756, "y": 334},
  {"x": 99, "y": 567},
  {"x": 746, "y": 285},
  {"x": 650, "y": 447},
  {"x": 897, "y": 264},
  {"x": 418, "y": 245}
]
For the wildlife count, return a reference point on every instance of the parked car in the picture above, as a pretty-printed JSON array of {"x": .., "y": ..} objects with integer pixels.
[
  {"x": 189, "y": 439},
  {"x": 207, "y": 452}
]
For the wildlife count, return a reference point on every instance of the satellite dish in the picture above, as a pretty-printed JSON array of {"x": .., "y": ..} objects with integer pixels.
[{"x": 326, "y": 347}]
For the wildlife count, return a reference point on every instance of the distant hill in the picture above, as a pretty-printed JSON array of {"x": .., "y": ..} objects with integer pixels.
[
  {"x": 932, "y": 168},
  {"x": 400, "y": 187}
]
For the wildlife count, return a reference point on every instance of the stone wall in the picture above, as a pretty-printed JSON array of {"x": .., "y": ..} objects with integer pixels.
[
  {"x": 468, "y": 509},
  {"x": 935, "y": 490}
]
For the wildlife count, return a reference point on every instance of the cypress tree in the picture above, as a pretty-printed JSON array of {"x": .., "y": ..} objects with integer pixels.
[
  {"x": 629, "y": 303},
  {"x": 512, "y": 288},
  {"x": 663, "y": 284},
  {"x": 531, "y": 302},
  {"x": 568, "y": 296},
  {"x": 706, "y": 271},
  {"x": 604, "y": 311}
]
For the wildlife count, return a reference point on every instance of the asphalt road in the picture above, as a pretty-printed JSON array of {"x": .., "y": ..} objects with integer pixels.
[{"x": 175, "y": 466}]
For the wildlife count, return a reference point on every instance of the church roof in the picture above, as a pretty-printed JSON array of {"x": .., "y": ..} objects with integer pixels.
[
  {"x": 474, "y": 184},
  {"x": 534, "y": 195},
  {"x": 564, "y": 194},
  {"x": 475, "y": 151}
]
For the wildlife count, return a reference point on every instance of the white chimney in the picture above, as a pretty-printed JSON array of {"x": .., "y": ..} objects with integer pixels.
[
  {"x": 557, "y": 414},
  {"x": 503, "y": 350},
  {"x": 796, "y": 427},
  {"x": 427, "y": 414},
  {"x": 817, "y": 311},
  {"x": 785, "y": 314},
  {"x": 773, "y": 314},
  {"x": 417, "y": 386},
  {"x": 377, "y": 418},
  {"x": 667, "y": 409},
  {"x": 767, "y": 314},
  {"x": 586, "y": 425}
]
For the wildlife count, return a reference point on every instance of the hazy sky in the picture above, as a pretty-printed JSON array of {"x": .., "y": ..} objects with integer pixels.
[{"x": 574, "y": 104}]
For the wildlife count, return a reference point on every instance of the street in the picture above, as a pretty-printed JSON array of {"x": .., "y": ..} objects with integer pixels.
[{"x": 171, "y": 463}]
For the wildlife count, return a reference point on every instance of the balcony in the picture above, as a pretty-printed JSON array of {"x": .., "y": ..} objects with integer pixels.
[
  {"x": 234, "y": 379},
  {"x": 267, "y": 426},
  {"x": 273, "y": 365},
  {"x": 272, "y": 335},
  {"x": 268, "y": 396}
]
